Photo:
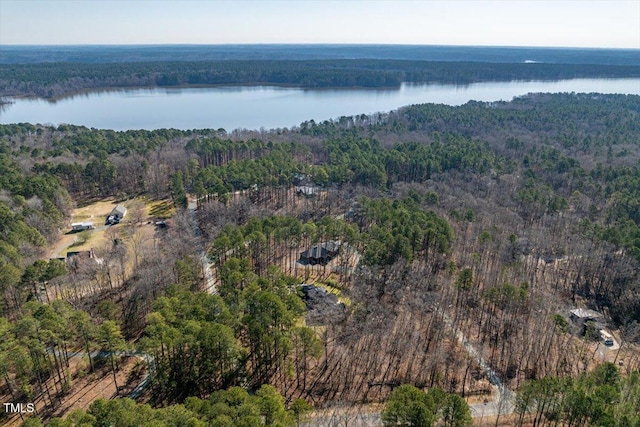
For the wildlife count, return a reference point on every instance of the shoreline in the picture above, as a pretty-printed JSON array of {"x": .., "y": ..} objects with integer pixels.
[
  {"x": 10, "y": 99},
  {"x": 104, "y": 89}
]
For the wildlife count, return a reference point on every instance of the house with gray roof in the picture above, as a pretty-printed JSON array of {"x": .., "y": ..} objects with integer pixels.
[
  {"x": 321, "y": 253},
  {"x": 116, "y": 215}
]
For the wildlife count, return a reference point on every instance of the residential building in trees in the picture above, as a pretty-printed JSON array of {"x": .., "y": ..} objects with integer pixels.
[{"x": 321, "y": 253}]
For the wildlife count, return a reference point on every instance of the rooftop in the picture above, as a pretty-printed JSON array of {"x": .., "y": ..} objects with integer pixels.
[
  {"x": 584, "y": 313},
  {"x": 307, "y": 190},
  {"x": 119, "y": 210}
]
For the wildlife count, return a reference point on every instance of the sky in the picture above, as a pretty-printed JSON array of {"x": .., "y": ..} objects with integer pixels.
[{"x": 590, "y": 23}]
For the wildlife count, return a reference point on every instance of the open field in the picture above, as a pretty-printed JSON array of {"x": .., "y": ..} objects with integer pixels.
[
  {"x": 141, "y": 211},
  {"x": 137, "y": 234},
  {"x": 160, "y": 209},
  {"x": 95, "y": 212}
]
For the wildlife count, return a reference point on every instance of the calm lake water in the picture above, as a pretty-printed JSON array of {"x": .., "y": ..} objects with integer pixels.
[{"x": 269, "y": 107}]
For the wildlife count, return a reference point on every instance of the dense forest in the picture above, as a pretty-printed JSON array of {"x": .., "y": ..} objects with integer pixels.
[
  {"x": 24, "y": 54},
  {"x": 51, "y": 80},
  {"x": 487, "y": 221}
]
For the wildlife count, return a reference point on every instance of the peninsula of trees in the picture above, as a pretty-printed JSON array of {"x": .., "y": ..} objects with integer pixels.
[{"x": 53, "y": 80}]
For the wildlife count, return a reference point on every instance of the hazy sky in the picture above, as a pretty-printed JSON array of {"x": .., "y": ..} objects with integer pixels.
[{"x": 574, "y": 23}]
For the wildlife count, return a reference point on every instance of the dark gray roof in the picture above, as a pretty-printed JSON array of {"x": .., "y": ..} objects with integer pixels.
[
  {"x": 315, "y": 252},
  {"x": 322, "y": 249}
]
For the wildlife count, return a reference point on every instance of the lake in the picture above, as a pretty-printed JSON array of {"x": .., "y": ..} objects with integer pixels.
[{"x": 269, "y": 107}]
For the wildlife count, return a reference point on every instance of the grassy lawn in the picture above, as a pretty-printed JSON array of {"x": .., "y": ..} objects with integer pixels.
[
  {"x": 334, "y": 290},
  {"x": 160, "y": 209},
  {"x": 141, "y": 210},
  {"x": 94, "y": 239},
  {"x": 96, "y": 212}
]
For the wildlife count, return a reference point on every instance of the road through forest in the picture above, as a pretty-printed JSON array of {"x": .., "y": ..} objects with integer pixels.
[
  {"x": 503, "y": 400},
  {"x": 359, "y": 416},
  {"x": 503, "y": 397},
  {"x": 207, "y": 266}
]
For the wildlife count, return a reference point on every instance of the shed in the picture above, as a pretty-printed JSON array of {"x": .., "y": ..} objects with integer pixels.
[
  {"x": 116, "y": 215},
  {"x": 119, "y": 211},
  {"x": 81, "y": 226}
]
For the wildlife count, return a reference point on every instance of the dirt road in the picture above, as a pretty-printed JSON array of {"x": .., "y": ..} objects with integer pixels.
[{"x": 207, "y": 266}]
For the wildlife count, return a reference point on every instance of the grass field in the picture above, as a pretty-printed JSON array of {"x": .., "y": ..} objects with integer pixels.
[
  {"x": 141, "y": 211},
  {"x": 160, "y": 209}
]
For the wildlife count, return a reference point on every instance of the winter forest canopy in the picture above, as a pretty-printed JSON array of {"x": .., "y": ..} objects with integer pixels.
[{"x": 492, "y": 220}]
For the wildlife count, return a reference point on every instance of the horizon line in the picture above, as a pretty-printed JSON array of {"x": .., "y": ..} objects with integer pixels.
[{"x": 346, "y": 44}]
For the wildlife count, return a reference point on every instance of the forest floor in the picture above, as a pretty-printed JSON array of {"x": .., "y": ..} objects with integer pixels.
[{"x": 85, "y": 388}]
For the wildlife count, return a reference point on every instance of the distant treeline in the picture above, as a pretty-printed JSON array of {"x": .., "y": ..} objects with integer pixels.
[
  {"x": 305, "y": 52},
  {"x": 52, "y": 80}
]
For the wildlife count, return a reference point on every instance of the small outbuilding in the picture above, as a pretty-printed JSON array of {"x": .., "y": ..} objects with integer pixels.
[
  {"x": 116, "y": 215},
  {"x": 81, "y": 226}
]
